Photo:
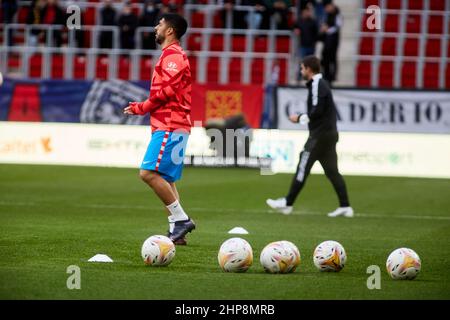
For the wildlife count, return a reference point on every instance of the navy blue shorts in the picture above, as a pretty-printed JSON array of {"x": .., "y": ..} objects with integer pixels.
[{"x": 165, "y": 154}]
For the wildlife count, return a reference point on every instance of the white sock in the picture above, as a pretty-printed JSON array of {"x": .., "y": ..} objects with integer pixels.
[
  {"x": 171, "y": 223},
  {"x": 177, "y": 211}
]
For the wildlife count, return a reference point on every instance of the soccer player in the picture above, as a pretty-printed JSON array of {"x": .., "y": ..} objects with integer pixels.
[
  {"x": 169, "y": 105},
  {"x": 321, "y": 143}
]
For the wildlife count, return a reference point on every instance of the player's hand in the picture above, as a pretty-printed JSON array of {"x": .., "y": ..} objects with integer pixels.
[
  {"x": 294, "y": 118},
  {"x": 129, "y": 109}
]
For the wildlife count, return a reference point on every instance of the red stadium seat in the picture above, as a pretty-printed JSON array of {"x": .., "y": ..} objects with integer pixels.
[
  {"x": 413, "y": 23},
  {"x": 368, "y": 3},
  {"x": 79, "y": 67},
  {"x": 257, "y": 73},
  {"x": 57, "y": 71},
  {"x": 447, "y": 76},
  {"x": 415, "y": 4},
  {"x": 35, "y": 66},
  {"x": 364, "y": 72},
  {"x": 389, "y": 47},
  {"x": 260, "y": 44},
  {"x": 146, "y": 68},
  {"x": 433, "y": 48},
  {"x": 194, "y": 42},
  {"x": 101, "y": 68},
  {"x": 391, "y": 23},
  {"x": 193, "y": 64},
  {"x": 411, "y": 47},
  {"x": 283, "y": 44},
  {"x": 393, "y": 4},
  {"x": 234, "y": 70},
  {"x": 408, "y": 79},
  {"x": 431, "y": 75},
  {"x": 238, "y": 43},
  {"x": 366, "y": 46},
  {"x": 386, "y": 74},
  {"x": 198, "y": 19},
  {"x": 212, "y": 70},
  {"x": 216, "y": 42},
  {"x": 437, "y": 5},
  {"x": 435, "y": 24},
  {"x": 124, "y": 68}
]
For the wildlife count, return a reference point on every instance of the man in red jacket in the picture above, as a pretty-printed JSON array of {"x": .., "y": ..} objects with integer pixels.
[{"x": 169, "y": 105}]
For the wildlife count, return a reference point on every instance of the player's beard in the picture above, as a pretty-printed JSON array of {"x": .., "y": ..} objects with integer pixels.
[{"x": 159, "y": 38}]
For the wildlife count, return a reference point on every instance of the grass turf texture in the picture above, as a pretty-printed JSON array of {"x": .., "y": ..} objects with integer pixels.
[{"x": 55, "y": 216}]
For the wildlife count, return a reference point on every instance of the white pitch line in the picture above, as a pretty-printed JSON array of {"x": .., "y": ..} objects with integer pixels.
[{"x": 219, "y": 210}]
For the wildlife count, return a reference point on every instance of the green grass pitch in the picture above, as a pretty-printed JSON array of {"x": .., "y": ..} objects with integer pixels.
[{"x": 55, "y": 216}]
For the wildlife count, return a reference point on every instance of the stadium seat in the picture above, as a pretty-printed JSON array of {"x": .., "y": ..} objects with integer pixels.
[
  {"x": 437, "y": 5},
  {"x": 124, "y": 68},
  {"x": 364, "y": 72},
  {"x": 257, "y": 73},
  {"x": 368, "y": 3},
  {"x": 431, "y": 75},
  {"x": 393, "y": 4},
  {"x": 447, "y": 76},
  {"x": 415, "y": 4},
  {"x": 212, "y": 70},
  {"x": 197, "y": 19},
  {"x": 238, "y": 43},
  {"x": 413, "y": 23},
  {"x": 101, "y": 68},
  {"x": 435, "y": 24},
  {"x": 408, "y": 79},
  {"x": 411, "y": 47},
  {"x": 366, "y": 46},
  {"x": 433, "y": 48},
  {"x": 234, "y": 70},
  {"x": 35, "y": 64},
  {"x": 391, "y": 23},
  {"x": 386, "y": 74},
  {"x": 194, "y": 42},
  {"x": 79, "y": 67},
  {"x": 389, "y": 47},
  {"x": 57, "y": 71},
  {"x": 216, "y": 42},
  {"x": 193, "y": 64},
  {"x": 260, "y": 44},
  {"x": 283, "y": 44},
  {"x": 146, "y": 68}
]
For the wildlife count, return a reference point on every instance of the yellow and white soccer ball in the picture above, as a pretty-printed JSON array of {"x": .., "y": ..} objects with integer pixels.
[
  {"x": 158, "y": 251},
  {"x": 329, "y": 256},
  {"x": 280, "y": 257},
  {"x": 403, "y": 264},
  {"x": 235, "y": 255}
]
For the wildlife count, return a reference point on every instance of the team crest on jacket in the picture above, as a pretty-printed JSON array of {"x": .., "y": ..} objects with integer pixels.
[{"x": 172, "y": 66}]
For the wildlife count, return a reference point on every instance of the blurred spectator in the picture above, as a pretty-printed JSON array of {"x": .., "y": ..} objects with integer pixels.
[
  {"x": 149, "y": 18},
  {"x": 172, "y": 6},
  {"x": 54, "y": 15},
  {"x": 34, "y": 18},
  {"x": 107, "y": 18},
  {"x": 307, "y": 30},
  {"x": 231, "y": 17},
  {"x": 127, "y": 23},
  {"x": 254, "y": 19},
  {"x": 278, "y": 10},
  {"x": 9, "y": 8},
  {"x": 330, "y": 32}
]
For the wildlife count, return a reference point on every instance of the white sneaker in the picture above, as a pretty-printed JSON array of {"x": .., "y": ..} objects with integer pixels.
[
  {"x": 342, "y": 211},
  {"x": 279, "y": 205}
]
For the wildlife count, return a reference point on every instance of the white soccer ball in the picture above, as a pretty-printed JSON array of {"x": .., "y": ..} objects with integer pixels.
[
  {"x": 280, "y": 257},
  {"x": 329, "y": 256},
  {"x": 235, "y": 255},
  {"x": 403, "y": 263},
  {"x": 158, "y": 251}
]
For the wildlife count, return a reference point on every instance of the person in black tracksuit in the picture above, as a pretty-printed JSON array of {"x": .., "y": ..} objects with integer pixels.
[{"x": 321, "y": 144}]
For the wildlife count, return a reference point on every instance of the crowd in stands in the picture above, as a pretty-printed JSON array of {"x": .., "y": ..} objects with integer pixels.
[{"x": 311, "y": 20}]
